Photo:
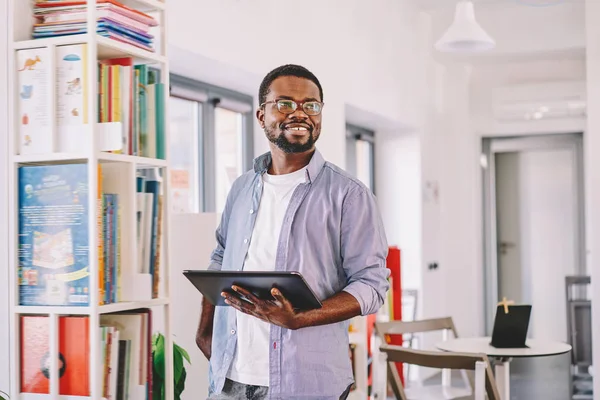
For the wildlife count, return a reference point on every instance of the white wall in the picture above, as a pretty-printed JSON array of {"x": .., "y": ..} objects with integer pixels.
[
  {"x": 4, "y": 265},
  {"x": 357, "y": 50},
  {"x": 192, "y": 241},
  {"x": 399, "y": 192},
  {"x": 452, "y": 231},
  {"x": 592, "y": 167}
]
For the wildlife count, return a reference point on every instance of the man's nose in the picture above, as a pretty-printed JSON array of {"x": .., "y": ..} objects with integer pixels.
[{"x": 299, "y": 114}]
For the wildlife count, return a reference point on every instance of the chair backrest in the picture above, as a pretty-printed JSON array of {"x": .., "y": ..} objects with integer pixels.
[
  {"x": 439, "y": 360},
  {"x": 579, "y": 319},
  {"x": 405, "y": 327}
]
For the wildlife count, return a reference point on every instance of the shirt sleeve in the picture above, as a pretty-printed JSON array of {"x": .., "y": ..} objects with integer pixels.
[
  {"x": 216, "y": 257},
  {"x": 364, "y": 250}
]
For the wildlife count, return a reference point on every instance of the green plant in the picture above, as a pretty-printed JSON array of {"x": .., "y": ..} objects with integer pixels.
[{"x": 158, "y": 369}]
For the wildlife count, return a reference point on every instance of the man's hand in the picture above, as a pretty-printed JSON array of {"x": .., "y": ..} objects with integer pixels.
[{"x": 278, "y": 311}]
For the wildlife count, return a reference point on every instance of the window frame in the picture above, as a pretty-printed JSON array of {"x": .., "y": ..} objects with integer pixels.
[
  {"x": 353, "y": 134},
  {"x": 210, "y": 97}
]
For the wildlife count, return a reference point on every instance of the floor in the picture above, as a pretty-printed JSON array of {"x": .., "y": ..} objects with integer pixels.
[
  {"x": 540, "y": 378},
  {"x": 545, "y": 378}
]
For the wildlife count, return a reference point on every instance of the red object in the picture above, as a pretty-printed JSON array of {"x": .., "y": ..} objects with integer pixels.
[
  {"x": 394, "y": 265},
  {"x": 73, "y": 346}
]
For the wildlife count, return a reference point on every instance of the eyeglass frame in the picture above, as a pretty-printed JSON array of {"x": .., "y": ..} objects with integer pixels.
[{"x": 298, "y": 103}]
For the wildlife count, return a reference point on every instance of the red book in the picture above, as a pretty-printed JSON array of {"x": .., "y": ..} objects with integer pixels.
[{"x": 73, "y": 347}]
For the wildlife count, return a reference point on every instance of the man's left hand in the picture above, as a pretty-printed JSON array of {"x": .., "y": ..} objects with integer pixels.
[{"x": 278, "y": 311}]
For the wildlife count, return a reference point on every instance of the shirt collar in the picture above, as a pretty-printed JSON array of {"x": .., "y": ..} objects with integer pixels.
[{"x": 316, "y": 163}]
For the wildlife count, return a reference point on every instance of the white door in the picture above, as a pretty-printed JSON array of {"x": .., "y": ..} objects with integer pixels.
[{"x": 538, "y": 224}]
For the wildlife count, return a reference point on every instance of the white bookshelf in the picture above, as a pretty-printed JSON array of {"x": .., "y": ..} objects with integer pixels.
[
  {"x": 358, "y": 337},
  {"x": 119, "y": 176}
]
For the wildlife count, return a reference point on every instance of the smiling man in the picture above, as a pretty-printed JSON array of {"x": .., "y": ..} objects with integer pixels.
[{"x": 293, "y": 212}]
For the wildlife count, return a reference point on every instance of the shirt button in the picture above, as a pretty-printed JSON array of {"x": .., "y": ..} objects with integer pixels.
[
  {"x": 251, "y": 211},
  {"x": 245, "y": 240},
  {"x": 233, "y": 331}
]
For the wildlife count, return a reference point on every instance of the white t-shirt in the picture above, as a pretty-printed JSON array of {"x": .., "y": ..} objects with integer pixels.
[{"x": 251, "y": 360}]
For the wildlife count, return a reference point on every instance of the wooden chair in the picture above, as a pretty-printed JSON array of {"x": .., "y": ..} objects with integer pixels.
[
  {"x": 484, "y": 378},
  {"x": 384, "y": 330}
]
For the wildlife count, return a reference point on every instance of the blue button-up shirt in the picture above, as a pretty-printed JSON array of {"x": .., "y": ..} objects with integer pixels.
[{"x": 333, "y": 235}]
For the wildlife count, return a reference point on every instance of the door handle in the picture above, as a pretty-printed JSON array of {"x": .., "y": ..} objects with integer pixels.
[{"x": 504, "y": 246}]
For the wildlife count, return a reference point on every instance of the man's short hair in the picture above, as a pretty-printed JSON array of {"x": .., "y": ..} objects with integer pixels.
[{"x": 286, "y": 70}]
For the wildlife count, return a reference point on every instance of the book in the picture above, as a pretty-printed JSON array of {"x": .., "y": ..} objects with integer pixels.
[
  {"x": 53, "y": 235},
  {"x": 71, "y": 90},
  {"x": 73, "y": 348},
  {"x": 125, "y": 363},
  {"x": 34, "y": 102},
  {"x": 114, "y": 20}
]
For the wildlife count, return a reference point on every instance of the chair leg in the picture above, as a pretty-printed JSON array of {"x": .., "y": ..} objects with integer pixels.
[
  {"x": 395, "y": 382},
  {"x": 479, "y": 390}
]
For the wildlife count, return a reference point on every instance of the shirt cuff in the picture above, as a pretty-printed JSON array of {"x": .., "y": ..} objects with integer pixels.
[
  {"x": 214, "y": 266},
  {"x": 366, "y": 296}
]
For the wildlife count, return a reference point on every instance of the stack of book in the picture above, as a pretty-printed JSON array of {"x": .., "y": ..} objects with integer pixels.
[
  {"x": 115, "y": 21},
  {"x": 125, "y": 355}
]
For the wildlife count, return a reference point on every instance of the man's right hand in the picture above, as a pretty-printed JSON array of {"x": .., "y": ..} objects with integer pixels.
[{"x": 205, "y": 328}]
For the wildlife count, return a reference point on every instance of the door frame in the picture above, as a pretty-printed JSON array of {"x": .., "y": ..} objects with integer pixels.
[{"x": 490, "y": 146}]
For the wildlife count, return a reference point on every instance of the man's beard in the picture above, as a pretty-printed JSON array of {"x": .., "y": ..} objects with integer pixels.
[{"x": 288, "y": 147}]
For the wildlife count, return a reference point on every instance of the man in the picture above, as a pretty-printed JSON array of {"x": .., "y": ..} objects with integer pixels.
[{"x": 293, "y": 212}]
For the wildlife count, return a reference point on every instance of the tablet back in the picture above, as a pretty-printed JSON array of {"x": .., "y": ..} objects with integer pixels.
[{"x": 290, "y": 283}]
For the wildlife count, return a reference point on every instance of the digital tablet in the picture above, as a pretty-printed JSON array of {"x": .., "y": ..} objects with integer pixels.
[{"x": 290, "y": 283}]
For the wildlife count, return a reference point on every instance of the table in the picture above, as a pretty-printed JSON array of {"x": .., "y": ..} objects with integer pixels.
[{"x": 536, "y": 348}]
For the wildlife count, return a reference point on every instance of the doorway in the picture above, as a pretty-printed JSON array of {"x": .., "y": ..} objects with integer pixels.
[
  {"x": 534, "y": 226},
  {"x": 534, "y": 231}
]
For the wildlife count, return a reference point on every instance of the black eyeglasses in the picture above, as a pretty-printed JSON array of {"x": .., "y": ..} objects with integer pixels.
[{"x": 285, "y": 106}]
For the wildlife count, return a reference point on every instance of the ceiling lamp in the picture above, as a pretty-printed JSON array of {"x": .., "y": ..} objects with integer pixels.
[{"x": 465, "y": 35}]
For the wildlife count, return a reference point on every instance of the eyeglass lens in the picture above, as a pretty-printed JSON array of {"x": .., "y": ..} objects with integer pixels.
[{"x": 289, "y": 106}]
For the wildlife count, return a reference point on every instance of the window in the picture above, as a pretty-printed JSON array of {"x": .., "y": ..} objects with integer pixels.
[
  {"x": 211, "y": 143},
  {"x": 360, "y": 154},
  {"x": 185, "y": 123}
]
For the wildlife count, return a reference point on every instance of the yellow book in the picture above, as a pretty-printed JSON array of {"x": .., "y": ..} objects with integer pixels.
[{"x": 115, "y": 93}]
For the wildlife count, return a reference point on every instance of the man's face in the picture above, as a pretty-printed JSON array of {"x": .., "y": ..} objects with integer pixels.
[{"x": 296, "y": 132}]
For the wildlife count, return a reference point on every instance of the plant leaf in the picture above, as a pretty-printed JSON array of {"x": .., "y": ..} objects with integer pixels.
[
  {"x": 159, "y": 356},
  {"x": 177, "y": 365},
  {"x": 180, "y": 385},
  {"x": 157, "y": 386},
  {"x": 183, "y": 352}
]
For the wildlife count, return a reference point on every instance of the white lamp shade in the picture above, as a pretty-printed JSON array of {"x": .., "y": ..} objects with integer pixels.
[{"x": 465, "y": 34}]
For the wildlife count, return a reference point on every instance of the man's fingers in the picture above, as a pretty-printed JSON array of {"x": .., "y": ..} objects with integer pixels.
[
  {"x": 279, "y": 297},
  {"x": 237, "y": 302},
  {"x": 247, "y": 294}
]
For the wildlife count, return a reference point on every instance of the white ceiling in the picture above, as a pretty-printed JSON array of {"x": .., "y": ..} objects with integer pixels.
[{"x": 522, "y": 31}]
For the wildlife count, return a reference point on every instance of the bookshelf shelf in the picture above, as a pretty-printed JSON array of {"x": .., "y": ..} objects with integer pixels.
[
  {"x": 107, "y": 48},
  {"x": 50, "y": 158},
  {"x": 145, "y": 5},
  {"x": 105, "y": 309},
  {"x": 88, "y": 200}
]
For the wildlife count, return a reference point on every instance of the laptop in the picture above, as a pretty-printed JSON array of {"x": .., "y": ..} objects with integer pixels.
[{"x": 510, "y": 328}]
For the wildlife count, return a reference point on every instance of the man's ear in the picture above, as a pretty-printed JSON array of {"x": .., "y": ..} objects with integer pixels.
[{"x": 260, "y": 116}]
